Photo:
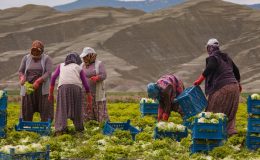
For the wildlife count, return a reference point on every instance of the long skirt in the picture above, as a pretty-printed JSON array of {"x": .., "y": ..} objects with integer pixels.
[
  {"x": 36, "y": 102},
  {"x": 68, "y": 107},
  {"x": 225, "y": 100},
  {"x": 99, "y": 110}
]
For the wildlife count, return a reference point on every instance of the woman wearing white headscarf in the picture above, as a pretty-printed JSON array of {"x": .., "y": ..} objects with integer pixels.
[{"x": 96, "y": 74}]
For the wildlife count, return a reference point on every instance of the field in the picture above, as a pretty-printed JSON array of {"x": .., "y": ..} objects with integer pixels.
[{"x": 92, "y": 144}]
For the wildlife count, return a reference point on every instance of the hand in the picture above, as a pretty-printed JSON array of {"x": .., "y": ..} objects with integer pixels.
[
  {"x": 51, "y": 97},
  {"x": 37, "y": 83},
  {"x": 160, "y": 113},
  {"x": 89, "y": 102},
  {"x": 165, "y": 117},
  {"x": 22, "y": 79},
  {"x": 199, "y": 80},
  {"x": 240, "y": 87},
  {"x": 94, "y": 78}
]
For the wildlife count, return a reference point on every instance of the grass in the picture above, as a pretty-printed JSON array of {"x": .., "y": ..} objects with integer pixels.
[{"x": 92, "y": 144}]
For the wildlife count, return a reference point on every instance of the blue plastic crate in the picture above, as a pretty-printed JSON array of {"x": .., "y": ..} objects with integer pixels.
[
  {"x": 3, "y": 101},
  {"x": 174, "y": 135},
  {"x": 148, "y": 108},
  {"x": 204, "y": 147},
  {"x": 28, "y": 156},
  {"x": 253, "y": 106},
  {"x": 192, "y": 101},
  {"x": 209, "y": 130},
  {"x": 3, "y": 118},
  {"x": 42, "y": 128},
  {"x": 110, "y": 127},
  {"x": 187, "y": 124},
  {"x": 252, "y": 142},
  {"x": 3, "y": 110},
  {"x": 253, "y": 125}
]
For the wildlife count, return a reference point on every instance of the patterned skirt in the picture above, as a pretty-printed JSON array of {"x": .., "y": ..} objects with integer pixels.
[
  {"x": 68, "y": 107},
  {"x": 36, "y": 102},
  {"x": 99, "y": 110},
  {"x": 225, "y": 100}
]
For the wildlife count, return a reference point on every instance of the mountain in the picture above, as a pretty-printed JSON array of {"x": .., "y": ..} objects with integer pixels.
[
  {"x": 255, "y": 6},
  {"x": 146, "y": 5},
  {"x": 136, "y": 47}
]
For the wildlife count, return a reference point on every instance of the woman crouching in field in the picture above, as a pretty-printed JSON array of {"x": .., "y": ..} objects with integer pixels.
[
  {"x": 71, "y": 78},
  {"x": 165, "y": 90}
]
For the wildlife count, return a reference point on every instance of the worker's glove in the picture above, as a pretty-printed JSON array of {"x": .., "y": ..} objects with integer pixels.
[
  {"x": 199, "y": 80},
  {"x": 165, "y": 117},
  {"x": 37, "y": 83},
  {"x": 51, "y": 97},
  {"x": 94, "y": 78},
  {"x": 89, "y": 102}
]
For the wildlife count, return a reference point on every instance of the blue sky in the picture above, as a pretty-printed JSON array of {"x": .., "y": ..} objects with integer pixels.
[{"x": 18, "y": 3}]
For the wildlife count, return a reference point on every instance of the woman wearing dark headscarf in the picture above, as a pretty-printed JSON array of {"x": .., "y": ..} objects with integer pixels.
[
  {"x": 71, "y": 78},
  {"x": 36, "y": 69},
  {"x": 222, "y": 84},
  {"x": 96, "y": 74}
]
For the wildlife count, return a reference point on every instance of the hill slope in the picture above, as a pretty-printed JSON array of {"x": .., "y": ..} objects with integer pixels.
[{"x": 138, "y": 48}]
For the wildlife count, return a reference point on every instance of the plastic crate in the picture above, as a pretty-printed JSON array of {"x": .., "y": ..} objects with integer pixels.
[
  {"x": 3, "y": 101},
  {"x": 109, "y": 128},
  {"x": 192, "y": 101},
  {"x": 3, "y": 118},
  {"x": 42, "y": 128},
  {"x": 252, "y": 142},
  {"x": 207, "y": 146},
  {"x": 174, "y": 135},
  {"x": 253, "y": 125},
  {"x": 148, "y": 108},
  {"x": 253, "y": 106},
  {"x": 3, "y": 110},
  {"x": 187, "y": 124},
  {"x": 28, "y": 156},
  {"x": 209, "y": 130}
]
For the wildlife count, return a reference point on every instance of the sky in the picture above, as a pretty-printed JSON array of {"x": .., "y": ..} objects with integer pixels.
[{"x": 18, "y": 3}]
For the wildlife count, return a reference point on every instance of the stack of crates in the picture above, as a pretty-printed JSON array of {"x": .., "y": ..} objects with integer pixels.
[
  {"x": 253, "y": 126},
  {"x": 3, "y": 113},
  {"x": 192, "y": 101},
  {"x": 207, "y": 136}
]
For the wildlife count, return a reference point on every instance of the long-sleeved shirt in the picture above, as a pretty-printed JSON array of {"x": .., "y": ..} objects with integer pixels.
[{"x": 212, "y": 66}]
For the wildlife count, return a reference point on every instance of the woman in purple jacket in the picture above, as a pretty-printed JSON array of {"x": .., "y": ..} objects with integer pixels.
[
  {"x": 71, "y": 79},
  {"x": 222, "y": 85}
]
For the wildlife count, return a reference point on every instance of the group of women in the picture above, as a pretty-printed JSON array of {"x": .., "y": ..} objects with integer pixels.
[
  {"x": 81, "y": 95},
  {"x": 80, "y": 90}
]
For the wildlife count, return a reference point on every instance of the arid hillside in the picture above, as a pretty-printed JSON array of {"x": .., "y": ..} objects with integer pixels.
[{"x": 137, "y": 47}]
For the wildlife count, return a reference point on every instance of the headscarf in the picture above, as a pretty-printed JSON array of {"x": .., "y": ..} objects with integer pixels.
[
  {"x": 73, "y": 57},
  {"x": 37, "y": 49},
  {"x": 153, "y": 91},
  {"x": 212, "y": 45}
]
